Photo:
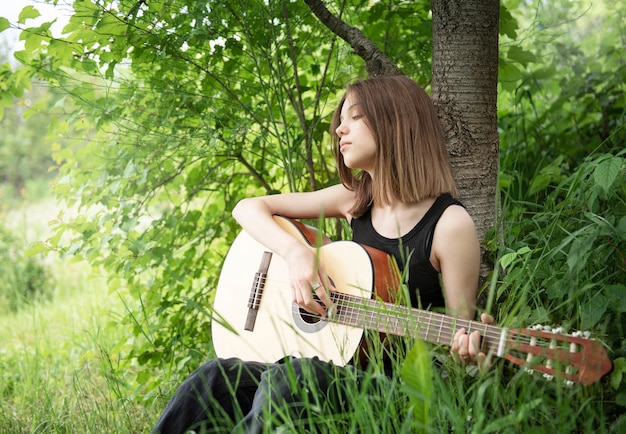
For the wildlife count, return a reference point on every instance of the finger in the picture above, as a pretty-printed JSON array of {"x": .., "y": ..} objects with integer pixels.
[
  {"x": 325, "y": 280},
  {"x": 322, "y": 292},
  {"x": 473, "y": 344},
  {"x": 481, "y": 359},
  {"x": 303, "y": 297},
  {"x": 463, "y": 352},
  {"x": 486, "y": 318},
  {"x": 318, "y": 289},
  {"x": 484, "y": 362},
  {"x": 454, "y": 348},
  {"x": 313, "y": 307},
  {"x": 323, "y": 287},
  {"x": 463, "y": 344}
]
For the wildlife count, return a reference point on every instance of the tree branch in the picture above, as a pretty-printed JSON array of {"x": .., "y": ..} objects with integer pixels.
[{"x": 376, "y": 62}]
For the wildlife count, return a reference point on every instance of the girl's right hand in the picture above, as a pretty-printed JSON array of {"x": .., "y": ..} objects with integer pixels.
[{"x": 307, "y": 278}]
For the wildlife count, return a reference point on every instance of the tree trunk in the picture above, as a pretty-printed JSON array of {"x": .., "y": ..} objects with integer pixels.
[{"x": 464, "y": 89}]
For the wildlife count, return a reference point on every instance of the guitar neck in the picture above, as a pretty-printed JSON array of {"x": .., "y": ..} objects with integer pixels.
[{"x": 401, "y": 320}]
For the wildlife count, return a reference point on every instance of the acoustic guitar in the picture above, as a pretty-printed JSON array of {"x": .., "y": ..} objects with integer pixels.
[{"x": 254, "y": 317}]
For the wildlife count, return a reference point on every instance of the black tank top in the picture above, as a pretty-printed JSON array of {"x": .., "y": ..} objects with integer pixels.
[{"x": 423, "y": 279}]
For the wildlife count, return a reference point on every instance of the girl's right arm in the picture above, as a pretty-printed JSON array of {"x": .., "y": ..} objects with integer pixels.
[{"x": 255, "y": 215}]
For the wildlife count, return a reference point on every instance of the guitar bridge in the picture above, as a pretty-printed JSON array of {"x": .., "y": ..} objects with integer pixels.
[{"x": 256, "y": 293}]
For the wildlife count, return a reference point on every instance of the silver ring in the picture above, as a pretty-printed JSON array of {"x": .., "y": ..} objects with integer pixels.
[{"x": 316, "y": 285}]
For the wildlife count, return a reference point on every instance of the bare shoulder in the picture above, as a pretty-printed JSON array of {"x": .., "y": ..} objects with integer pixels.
[
  {"x": 455, "y": 230},
  {"x": 456, "y": 219}
]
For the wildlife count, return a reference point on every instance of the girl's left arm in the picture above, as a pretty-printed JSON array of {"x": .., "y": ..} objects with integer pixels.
[{"x": 456, "y": 250}]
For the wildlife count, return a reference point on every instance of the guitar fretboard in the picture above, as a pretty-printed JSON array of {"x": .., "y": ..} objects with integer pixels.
[{"x": 401, "y": 320}]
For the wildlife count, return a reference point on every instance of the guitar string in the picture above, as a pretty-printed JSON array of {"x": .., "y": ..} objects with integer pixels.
[
  {"x": 361, "y": 312},
  {"x": 441, "y": 321},
  {"x": 441, "y": 332}
]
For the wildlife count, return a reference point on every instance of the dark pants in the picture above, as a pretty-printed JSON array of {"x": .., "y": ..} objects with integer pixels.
[{"x": 228, "y": 395}]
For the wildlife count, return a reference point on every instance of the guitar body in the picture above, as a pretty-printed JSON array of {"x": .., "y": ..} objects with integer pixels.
[
  {"x": 280, "y": 327},
  {"x": 255, "y": 319}
]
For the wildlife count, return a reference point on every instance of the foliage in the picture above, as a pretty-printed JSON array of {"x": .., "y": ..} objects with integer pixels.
[
  {"x": 563, "y": 178},
  {"x": 417, "y": 374},
  {"x": 569, "y": 257},
  {"x": 24, "y": 279},
  {"x": 24, "y": 152},
  {"x": 561, "y": 100},
  {"x": 563, "y": 181}
]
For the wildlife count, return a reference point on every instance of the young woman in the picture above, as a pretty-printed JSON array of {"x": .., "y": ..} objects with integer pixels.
[{"x": 397, "y": 193}]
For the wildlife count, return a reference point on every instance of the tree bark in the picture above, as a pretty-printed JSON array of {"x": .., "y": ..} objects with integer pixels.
[{"x": 464, "y": 89}]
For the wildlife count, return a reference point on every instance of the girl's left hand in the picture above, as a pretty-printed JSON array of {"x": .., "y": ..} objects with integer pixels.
[{"x": 467, "y": 348}]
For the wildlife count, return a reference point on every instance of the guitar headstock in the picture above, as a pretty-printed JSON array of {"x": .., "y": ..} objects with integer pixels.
[{"x": 573, "y": 357}]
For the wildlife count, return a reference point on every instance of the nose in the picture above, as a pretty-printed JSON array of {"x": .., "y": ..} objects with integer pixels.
[{"x": 340, "y": 130}]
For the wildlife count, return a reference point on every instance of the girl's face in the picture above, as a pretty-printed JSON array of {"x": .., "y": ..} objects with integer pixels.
[{"x": 356, "y": 141}]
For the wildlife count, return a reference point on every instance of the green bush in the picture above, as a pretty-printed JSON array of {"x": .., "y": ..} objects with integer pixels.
[
  {"x": 24, "y": 279},
  {"x": 564, "y": 262}
]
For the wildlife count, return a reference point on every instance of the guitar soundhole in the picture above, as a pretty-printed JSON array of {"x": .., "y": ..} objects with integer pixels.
[
  {"x": 306, "y": 321},
  {"x": 308, "y": 317}
]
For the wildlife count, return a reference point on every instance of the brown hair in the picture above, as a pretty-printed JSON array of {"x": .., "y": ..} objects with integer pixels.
[{"x": 412, "y": 162}]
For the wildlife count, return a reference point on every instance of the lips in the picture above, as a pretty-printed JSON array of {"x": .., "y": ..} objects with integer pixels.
[{"x": 342, "y": 145}]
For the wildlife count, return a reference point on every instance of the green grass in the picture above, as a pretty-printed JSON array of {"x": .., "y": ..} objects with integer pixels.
[
  {"x": 60, "y": 370},
  {"x": 67, "y": 366}
]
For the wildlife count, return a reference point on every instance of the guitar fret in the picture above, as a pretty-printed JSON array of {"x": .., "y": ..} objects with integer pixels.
[
  {"x": 502, "y": 342},
  {"x": 395, "y": 326},
  {"x": 427, "y": 327},
  {"x": 533, "y": 342},
  {"x": 439, "y": 333}
]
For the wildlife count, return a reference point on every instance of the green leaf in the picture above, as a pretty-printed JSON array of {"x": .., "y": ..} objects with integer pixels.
[
  {"x": 515, "y": 417},
  {"x": 619, "y": 369},
  {"x": 4, "y": 24},
  {"x": 508, "y": 258},
  {"x": 606, "y": 172},
  {"x": 621, "y": 227},
  {"x": 616, "y": 294},
  {"x": 508, "y": 24},
  {"x": 36, "y": 248},
  {"x": 417, "y": 373},
  {"x": 509, "y": 75},
  {"x": 594, "y": 311},
  {"x": 27, "y": 13},
  {"x": 579, "y": 252},
  {"x": 522, "y": 56}
]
